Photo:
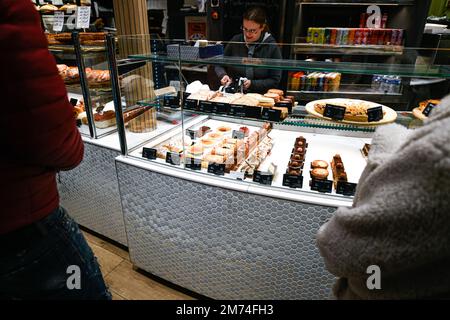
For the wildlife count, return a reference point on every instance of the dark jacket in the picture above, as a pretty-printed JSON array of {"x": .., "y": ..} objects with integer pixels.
[
  {"x": 262, "y": 79},
  {"x": 400, "y": 218},
  {"x": 38, "y": 135}
]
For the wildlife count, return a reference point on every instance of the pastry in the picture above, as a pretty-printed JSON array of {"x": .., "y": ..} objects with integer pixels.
[
  {"x": 297, "y": 157},
  {"x": 196, "y": 150},
  {"x": 224, "y": 129},
  {"x": 273, "y": 96},
  {"x": 319, "y": 173},
  {"x": 70, "y": 8},
  {"x": 215, "y": 135},
  {"x": 337, "y": 167},
  {"x": 294, "y": 172},
  {"x": 48, "y": 8},
  {"x": 247, "y": 101},
  {"x": 202, "y": 131},
  {"x": 365, "y": 150},
  {"x": 319, "y": 164},
  {"x": 278, "y": 92},
  {"x": 213, "y": 158},
  {"x": 295, "y": 164},
  {"x": 424, "y": 104},
  {"x": 105, "y": 119},
  {"x": 245, "y": 130},
  {"x": 207, "y": 142}
]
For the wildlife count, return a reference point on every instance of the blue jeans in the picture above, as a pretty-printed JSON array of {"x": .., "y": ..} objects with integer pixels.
[{"x": 49, "y": 259}]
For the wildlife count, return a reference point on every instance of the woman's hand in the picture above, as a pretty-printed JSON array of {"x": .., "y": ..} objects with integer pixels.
[
  {"x": 225, "y": 80},
  {"x": 247, "y": 84}
]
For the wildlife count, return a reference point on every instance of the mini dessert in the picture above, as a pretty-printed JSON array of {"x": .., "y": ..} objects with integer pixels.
[
  {"x": 320, "y": 164},
  {"x": 298, "y": 157},
  {"x": 196, "y": 150},
  {"x": 278, "y": 92},
  {"x": 215, "y": 135},
  {"x": 274, "y": 96},
  {"x": 245, "y": 130},
  {"x": 48, "y": 8},
  {"x": 202, "y": 131},
  {"x": 221, "y": 151},
  {"x": 294, "y": 172},
  {"x": 224, "y": 129},
  {"x": 207, "y": 142},
  {"x": 105, "y": 119},
  {"x": 365, "y": 150},
  {"x": 299, "y": 150},
  {"x": 213, "y": 158},
  {"x": 337, "y": 166},
  {"x": 319, "y": 173}
]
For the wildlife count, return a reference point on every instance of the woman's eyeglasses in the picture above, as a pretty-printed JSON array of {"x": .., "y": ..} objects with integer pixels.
[{"x": 251, "y": 31}]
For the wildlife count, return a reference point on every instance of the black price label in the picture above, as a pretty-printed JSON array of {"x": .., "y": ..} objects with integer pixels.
[
  {"x": 238, "y": 134},
  {"x": 73, "y": 102},
  {"x": 171, "y": 101},
  {"x": 346, "y": 188},
  {"x": 334, "y": 112},
  {"x": 292, "y": 181},
  {"x": 190, "y": 104},
  {"x": 192, "y": 133},
  {"x": 78, "y": 122},
  {"x": 193, "y": 163},
  {"x": 271, "y": 114},
  {"x": 222, "y": 108},
  {"x": 206, "y": 106},
  {"x": 149, "y": 153},
  {"x": 173, "y": 158},
  {"x": 216, "y": 168},
  {"x": 265, "y": 178},
  {"x": 237, "y": 110},
  {"x": 430, "y": 106},
  {"x": 324, "y": 186},
  {"x": 375, "y": 114},
  {"x": 284, "y": 105},
  {"x": 252, "y": 112}
]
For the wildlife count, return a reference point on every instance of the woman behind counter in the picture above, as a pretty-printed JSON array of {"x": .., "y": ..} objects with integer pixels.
[{"x": 254, "y": 42}]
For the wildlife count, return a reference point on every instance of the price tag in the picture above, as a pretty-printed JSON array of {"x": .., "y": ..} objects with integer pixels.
[
  {"x": 238, "y": 175},
  {"x": 190, "y": 104},
  {"x": 237, "y": 110},
  {"x": 149, "y": 153},
  {"x": 78, "y": 122},
  {"x": 375, "y": 114},
  {"x": 271, "y": 114},
  {"x": 73, "y": 102},
  {"x": 206, "y": 106},
  {"x": 292, "y": 181},
  {"x": 334, "y": 112},
  {"x": 238, "y": 134},
  {"x": 83, "y": 17},
  {"x": 172, "y": 101},
  {"x": 173, "y": 158},
  {"x": 193, "y": 163},
  {"x": 216, "y": 168},
  {"x": 428, "y": 109},
  {"x": 284, "y": 105},
  {"x": 57, "y": 2},
  {"x": 265, "y": 178},
  {"x": 346, "y": 188},
  {"x": 191, "y": 133},
  {"x": 58, "y": 21},
  {"x": 221, "y": 108},
  {"x": 324, "y": 186},
  {"x": 253, "y": 112}
]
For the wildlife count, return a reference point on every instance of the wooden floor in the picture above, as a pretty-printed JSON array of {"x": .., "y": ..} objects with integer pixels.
[{"x": 123, "y": 281}]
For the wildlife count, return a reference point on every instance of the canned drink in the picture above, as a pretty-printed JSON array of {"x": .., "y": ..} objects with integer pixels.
[
  {"x": 338, "y": 36},
  {"x": 344, "y": 36},
  {"x": 351, "y": 36},
  {"x": 394, "y": 37},
  {"x": 365, "y": 37},
  {"x": 333, "y": 36},
  {"x": 357, "y": 39},
  {"x": 321, "y": 35},
  {"x": 400, "y": 34},
  {"x": 327, "y": 35},
  {"x": 309, "y": 38}
]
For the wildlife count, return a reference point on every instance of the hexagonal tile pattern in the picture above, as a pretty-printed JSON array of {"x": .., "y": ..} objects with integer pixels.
[
  {"x": 90, "y": 193},
  {"x": 221, "y": 243}
]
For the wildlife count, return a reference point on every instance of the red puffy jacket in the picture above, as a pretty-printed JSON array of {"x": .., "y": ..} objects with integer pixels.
[{"x": 38, "y": 135}]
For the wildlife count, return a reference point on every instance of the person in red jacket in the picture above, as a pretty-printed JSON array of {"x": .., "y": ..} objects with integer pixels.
[{"x": 43, "y": 254}]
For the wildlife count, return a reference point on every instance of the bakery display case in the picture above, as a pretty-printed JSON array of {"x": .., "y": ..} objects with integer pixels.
[{"x": 227, "y": 202}]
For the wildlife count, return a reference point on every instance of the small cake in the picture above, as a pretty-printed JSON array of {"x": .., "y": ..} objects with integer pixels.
[
  {"x": 213, "y": 158},
  {"x": 297, "y": 157},
  {"x": 365, "y": 150},
  {"x": 278, "y": 92},
  {"x": 207, "y": 142},
  {"x": 294, "y": 172},
  {"x": 202, "y": 131},
  {"x": 245, "y": 130},
  {"x": 319, "y": 173},
  {"x": 215, "y": 135},
  {"x": 319, "y": 164},
  {"x": 105, "y": 119},
  {"x": 196, "y": 150},
  {"x": 337, "y": 166},
  {"x": 223, "y": 129}
]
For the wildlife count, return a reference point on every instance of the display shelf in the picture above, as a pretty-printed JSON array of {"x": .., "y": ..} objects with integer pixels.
[
  {"x": 377, "y": 50},
  {"x": 403, "y": 70}
]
